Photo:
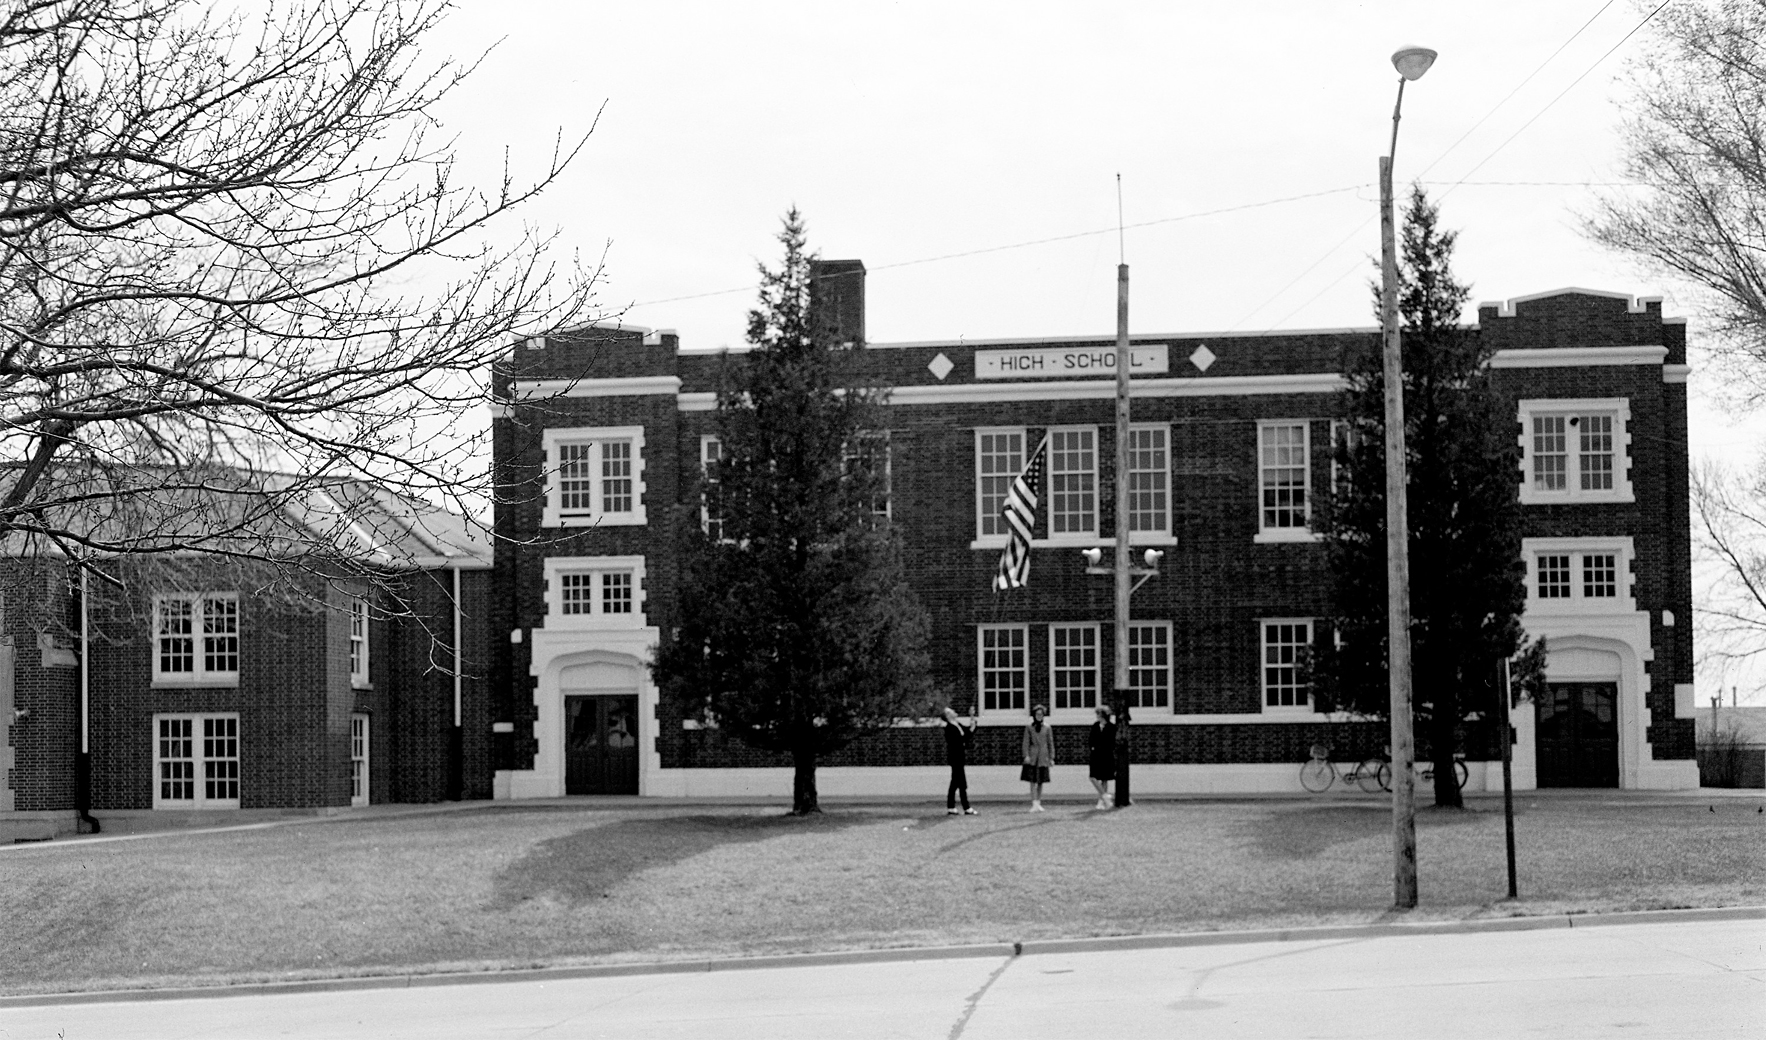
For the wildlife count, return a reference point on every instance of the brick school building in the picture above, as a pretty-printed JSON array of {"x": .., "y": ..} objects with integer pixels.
[{"x": 603, "y": 432}]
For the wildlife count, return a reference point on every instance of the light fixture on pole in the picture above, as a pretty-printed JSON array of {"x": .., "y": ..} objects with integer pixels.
[{"x": 1411, "y": 63}]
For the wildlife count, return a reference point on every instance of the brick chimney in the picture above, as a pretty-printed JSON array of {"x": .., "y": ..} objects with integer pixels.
[{"x": 837, "y": 301}]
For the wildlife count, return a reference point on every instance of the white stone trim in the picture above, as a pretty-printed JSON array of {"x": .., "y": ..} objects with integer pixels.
[
  {"x": 615, "y": 386},
  {"x": 1577, "y": 357},
  {"x": 556, "y": 619},
  {"x": 1619, "y": 408},
  {"x": 1000, "y": 783},
  {"x": 1573, "y": 644},
  {"x": 553, "y": 651},
  {"x": 1633, "y": 304},
  {"x": 1578, "y": 605},
  {"x": 1675, "y": 373},
  {"x": 553, "y": 516}
]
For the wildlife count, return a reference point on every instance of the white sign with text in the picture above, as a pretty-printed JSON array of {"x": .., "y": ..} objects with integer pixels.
[{"x": 1067, "y": 362}]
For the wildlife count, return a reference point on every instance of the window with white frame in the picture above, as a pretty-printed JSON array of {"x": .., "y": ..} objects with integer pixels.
[
  {"x": 869, "y": 451},
  {"x": 594, "y": 591},
  {"x": 1149, "y": 479},
  {"x": 1073, "y": 482},
  {"x": 1575, "y": 450},
  {"x": 1345, "y": 441},
  {"x": 358, "y": 759},
  {"x": 1073, "y": 667},
  {"x": 1284, "y": 481},
  {"x": 1149, "y": 664},
  {"x": 711, "y": 451},
  {"x": 1003, "y": 667},
  {"x": 196, "y": 762},
  {"x": 196, "y": 638},
  {"x": 594, "y": 475},
  {"x": 1286, "y": 642},
  {"x": 358, "y": 642},
  {"x": 999, "y": 456},
  {"x": 1578, "y": 575}
]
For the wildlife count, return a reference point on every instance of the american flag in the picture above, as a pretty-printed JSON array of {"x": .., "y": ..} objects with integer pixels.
[{"x": 1019, "y": 513}]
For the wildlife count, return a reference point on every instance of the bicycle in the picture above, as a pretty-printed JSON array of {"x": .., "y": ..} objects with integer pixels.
[
  {"x": 1319, "y": 772},
  {"x": 1425, "y": 772}
]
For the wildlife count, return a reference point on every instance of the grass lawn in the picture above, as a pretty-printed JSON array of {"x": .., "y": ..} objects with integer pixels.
[{"x": 513, "y": 886}]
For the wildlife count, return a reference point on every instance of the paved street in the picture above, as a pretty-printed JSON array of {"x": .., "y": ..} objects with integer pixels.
[{"x": 1682, "y": 979}]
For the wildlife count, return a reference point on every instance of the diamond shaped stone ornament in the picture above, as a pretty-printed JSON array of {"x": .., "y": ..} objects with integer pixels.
[
  {"x": 1202, "y": 358},
  {"x": 941, "y": 366}
]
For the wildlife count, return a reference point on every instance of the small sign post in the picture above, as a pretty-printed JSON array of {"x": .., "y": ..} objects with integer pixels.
[{"x": 1508, "y": 783}]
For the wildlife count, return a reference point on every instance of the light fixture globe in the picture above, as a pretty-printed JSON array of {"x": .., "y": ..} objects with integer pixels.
[{"x": 1412, "y": 62}]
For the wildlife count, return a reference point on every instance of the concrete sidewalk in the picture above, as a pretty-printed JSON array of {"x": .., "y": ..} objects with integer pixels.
[
  {"x": 138, "y": 824},
  {"x": 1684, "y": 977}
]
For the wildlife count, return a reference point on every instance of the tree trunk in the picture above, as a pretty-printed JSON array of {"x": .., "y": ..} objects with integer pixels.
[{"x": 803, "y": 784}]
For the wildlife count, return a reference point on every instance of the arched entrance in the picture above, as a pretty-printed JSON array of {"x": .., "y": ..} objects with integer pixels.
[
  {"x": 1576, "y": 735},
  {"x": 600, "y": 726}
]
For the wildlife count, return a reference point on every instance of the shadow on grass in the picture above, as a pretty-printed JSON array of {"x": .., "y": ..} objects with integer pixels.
[
  {"x": 1308, "y": 833},
  {"x": 588, "y": 864}
]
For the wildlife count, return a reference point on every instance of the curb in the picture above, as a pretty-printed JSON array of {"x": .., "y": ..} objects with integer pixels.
[{"x": 921, "y": 953}]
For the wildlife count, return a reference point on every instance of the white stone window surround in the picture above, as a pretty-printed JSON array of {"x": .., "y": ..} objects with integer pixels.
[
  {"x": 1622, "y": 548},
  {"x": 1264, "y": 664},
  {"x": 196, "y": 754},
  {"x": 556, "y": 516},
  {"x": 1618, "y": 408},
  {"x": 594, "y": 567},
  {"x": 201, "y": 629},
  {"x": 1267, "y": 532}
]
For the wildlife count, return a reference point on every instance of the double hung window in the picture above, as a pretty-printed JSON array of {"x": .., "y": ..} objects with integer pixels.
[
  {"x": 1004, "y": 667},
  {"x": 999, "y": 456},
  {"x": 1073, "y": 482},
  {"x": 358, "y": 642},
  {"x": 1284, "y": 481},
  {"x": 196, "y": 638},
  {"x": 711, "y": 452},
  {"x": 1575, "y": 451},
  {"x": 196, "y": 762},
  {"x": 1149, "y": 664},
  {"x": 594, "y": 476},
  {"x": 1073, "y": 667},
  {"x": 1149, "y": 480},
  {"x": 1285, "y": 645}
]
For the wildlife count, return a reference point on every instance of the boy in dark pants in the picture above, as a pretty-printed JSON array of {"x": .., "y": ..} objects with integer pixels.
[{"x": 957, "y": 738}]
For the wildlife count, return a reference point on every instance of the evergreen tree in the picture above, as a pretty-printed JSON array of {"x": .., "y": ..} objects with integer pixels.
[
  {"x": 1467, "y": 579},
  {"x": 798, "y": 632}
]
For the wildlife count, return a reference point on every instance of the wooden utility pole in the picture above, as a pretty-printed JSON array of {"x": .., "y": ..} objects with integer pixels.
[
  {"x": 1124, "y": 745},
  {"x": 1404, "y": 890}
]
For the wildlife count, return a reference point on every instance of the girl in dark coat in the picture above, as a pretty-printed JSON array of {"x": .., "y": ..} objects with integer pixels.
[{"x": 1100, "y": 746}]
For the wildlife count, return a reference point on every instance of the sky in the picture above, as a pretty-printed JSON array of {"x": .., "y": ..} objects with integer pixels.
[{"x": 969, "y": 154}]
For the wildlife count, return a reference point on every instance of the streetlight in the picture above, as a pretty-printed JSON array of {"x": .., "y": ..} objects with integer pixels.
[{"x": 1411, "y": 63}]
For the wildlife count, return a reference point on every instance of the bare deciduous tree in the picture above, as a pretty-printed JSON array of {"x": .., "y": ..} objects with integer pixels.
[
  {"x": 1729, "y": 531},
  {"x": 235, "y": 266},
  {"x": 1697, "y": 141}
]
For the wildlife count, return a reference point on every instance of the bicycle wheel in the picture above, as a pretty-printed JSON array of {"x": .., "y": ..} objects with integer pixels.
[
  {"x": 1384, "y": 775},
  {"x": 1460, "y": 773},
  {"x": 1368, "y": 775},
  {"x": 1316, "y": 775}
]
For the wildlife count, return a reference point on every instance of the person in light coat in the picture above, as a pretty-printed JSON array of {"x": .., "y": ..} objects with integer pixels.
[{"x": 1039, "y": 754}]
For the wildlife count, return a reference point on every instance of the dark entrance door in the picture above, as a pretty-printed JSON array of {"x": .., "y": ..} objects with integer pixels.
[
  {"x": 1578, "y": 735},
  {"x": 600, "y": 745}
]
